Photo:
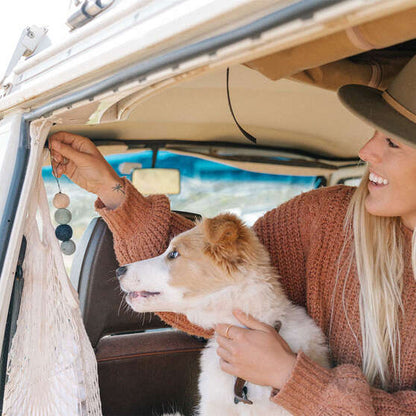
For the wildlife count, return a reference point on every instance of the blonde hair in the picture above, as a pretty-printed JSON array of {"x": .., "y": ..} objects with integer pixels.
[{"x": 378, "y": 253}]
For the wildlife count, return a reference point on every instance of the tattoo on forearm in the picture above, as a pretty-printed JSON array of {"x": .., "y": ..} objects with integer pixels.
[{"x": 119, "y": 188}]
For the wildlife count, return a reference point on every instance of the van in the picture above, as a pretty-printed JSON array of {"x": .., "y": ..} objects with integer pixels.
[{"x": 235, "y": 100}]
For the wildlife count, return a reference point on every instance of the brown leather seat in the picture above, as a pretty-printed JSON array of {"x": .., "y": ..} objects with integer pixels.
[{"x": 144, "y": 367}]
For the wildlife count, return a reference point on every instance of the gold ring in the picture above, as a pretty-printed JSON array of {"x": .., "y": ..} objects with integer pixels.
[{"x": 226, "y": 331}]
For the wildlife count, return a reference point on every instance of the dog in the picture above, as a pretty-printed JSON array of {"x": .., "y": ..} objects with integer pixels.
[{"x": 205, "y": 273}]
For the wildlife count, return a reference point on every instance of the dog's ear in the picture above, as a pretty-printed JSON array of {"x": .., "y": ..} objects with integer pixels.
[
  {"x": 226, "y": 239},
  {"x": 223, "y": 229}
]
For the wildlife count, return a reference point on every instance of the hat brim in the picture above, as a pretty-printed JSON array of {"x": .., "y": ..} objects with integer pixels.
[{"x": 368, "y": 104}]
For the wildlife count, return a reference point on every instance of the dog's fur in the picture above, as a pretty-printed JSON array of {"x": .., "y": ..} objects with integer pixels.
[{"x": 207, "y": 272}]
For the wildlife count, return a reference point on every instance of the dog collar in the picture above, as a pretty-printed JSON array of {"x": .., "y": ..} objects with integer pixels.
[{"x": 240, "y": 392}]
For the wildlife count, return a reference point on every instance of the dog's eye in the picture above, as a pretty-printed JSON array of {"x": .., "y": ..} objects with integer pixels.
[{"x": 173, "y": 254}]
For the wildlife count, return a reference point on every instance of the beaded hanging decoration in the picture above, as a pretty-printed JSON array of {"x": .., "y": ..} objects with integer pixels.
[{"x": 63, "y": 216}]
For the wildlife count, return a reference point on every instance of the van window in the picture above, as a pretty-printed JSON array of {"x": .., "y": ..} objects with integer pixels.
[{"x": 207, "y": 188}]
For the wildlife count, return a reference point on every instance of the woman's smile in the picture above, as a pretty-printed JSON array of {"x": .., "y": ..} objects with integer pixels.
[
  {"x": 377, "y": 180},
  {"x": 391, "y": 179}
]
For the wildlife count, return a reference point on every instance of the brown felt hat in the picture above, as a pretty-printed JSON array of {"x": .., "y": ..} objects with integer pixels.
[{"x": 393, "y": 111}]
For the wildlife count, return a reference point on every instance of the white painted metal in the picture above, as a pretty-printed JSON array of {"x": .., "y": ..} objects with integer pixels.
[
  {"x": 132, "y": 31},
  {"x": 9, "y": 267},
  {"x": 9, "y": 142},
  {"x": 347, "y": 173},
  {"x": 135, "y": 30},
  {"x": 26, "y": 46}
]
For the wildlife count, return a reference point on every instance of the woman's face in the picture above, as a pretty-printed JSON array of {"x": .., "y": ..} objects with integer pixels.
[{"x": 392, "y": 181}]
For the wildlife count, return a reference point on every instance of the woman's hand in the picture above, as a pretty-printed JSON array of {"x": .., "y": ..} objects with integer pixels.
[
  {"x": 79, "y": 159},
  {"x": 257, "y": 354}
]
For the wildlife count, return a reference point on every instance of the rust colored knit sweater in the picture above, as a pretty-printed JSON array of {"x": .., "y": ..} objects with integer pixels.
[{"x": 304, "y": 237}]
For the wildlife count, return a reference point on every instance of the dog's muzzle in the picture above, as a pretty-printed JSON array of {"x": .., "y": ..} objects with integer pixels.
[{"x": 121, "y": 271}]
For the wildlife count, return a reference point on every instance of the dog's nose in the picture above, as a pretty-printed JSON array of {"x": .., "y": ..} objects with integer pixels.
[{"x": 120, "y": 271}]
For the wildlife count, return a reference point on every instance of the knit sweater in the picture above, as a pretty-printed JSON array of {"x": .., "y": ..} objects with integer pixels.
[{"x": 304, "y": 237}]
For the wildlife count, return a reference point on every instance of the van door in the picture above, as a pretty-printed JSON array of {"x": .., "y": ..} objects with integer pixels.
[{"x": 14, "y": 153}]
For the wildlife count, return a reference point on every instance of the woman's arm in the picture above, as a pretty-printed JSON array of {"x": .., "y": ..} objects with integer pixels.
[
  {"x": 141, "y": 227},
  {"x": 341, "y": 391},
  {"x": 259, "y": 355},
  {"x": 78, "y": 158},
  {"x": 310, "y": 389}
]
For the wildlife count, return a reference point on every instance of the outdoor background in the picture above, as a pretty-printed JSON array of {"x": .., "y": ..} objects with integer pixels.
[{"x": 207, "y": 188}]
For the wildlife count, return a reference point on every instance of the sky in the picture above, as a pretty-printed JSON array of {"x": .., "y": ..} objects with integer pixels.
[{"x": 17, "y": 14}]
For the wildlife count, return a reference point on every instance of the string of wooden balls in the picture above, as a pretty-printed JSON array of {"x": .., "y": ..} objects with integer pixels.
[{"x": 63, "y": 216}]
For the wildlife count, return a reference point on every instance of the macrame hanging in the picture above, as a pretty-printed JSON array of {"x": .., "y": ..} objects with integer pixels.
[{"x": 51, "y": 368}]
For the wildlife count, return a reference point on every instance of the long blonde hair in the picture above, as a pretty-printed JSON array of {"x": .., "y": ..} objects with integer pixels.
[{"x": 378, "y": 252}]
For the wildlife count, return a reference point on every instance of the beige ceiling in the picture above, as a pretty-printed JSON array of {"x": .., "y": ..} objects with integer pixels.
[{"x": 280, "y": 113}]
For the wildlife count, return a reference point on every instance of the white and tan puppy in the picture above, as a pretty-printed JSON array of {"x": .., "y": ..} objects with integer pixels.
[{"x": 205, "y": 273}]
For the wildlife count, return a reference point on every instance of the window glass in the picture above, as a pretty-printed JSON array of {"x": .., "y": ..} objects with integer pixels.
[{"x": 207, "y": 188}]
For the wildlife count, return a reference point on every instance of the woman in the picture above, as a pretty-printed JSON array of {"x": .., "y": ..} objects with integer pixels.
[{"x": 345, "y": 254}]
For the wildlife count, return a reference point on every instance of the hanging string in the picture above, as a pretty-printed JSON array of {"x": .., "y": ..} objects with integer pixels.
[
  {"x": 244, "y": 132},
  {"x": 53, "y": 171}
]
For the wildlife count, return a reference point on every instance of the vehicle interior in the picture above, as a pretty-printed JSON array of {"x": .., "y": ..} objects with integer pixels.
[{"x": 285, "y": 100}]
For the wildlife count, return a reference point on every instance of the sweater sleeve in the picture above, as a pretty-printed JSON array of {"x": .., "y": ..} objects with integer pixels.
[
  {"x": 142, "y": 228},
  {"x": 341, "y": 391}
]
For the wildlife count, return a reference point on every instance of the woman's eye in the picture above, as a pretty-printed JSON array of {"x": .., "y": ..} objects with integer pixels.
[
  {"x": 392, "y": 144},
  {"x": 173, "y": 254}
]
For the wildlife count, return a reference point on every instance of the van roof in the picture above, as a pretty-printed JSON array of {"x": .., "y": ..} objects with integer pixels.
[{"x": 186, "y": 100}]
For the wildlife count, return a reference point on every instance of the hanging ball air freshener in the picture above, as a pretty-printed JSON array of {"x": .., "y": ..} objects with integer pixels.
[
  {"x": 63, "y": 232},
  {"x": 68, "y": 247},
  {"x": 63, "y": 216},
  {"x": 60, "y": 200}
]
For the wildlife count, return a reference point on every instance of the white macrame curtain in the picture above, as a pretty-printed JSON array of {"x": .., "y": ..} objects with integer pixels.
[{"x": 51, "y": 368}]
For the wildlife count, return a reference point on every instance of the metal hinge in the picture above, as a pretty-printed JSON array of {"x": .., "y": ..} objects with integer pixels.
[
  {"x": 29, "y": 41},
  {"x": 84, "y": 11}
]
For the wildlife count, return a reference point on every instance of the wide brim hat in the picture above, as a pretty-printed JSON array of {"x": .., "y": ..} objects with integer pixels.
[{"x": 393, "y": 111}]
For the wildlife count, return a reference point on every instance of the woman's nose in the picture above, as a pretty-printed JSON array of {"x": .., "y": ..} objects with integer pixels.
[
  {"x": 363, "y": 153},
  {"x": 370, "y": 151}
]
